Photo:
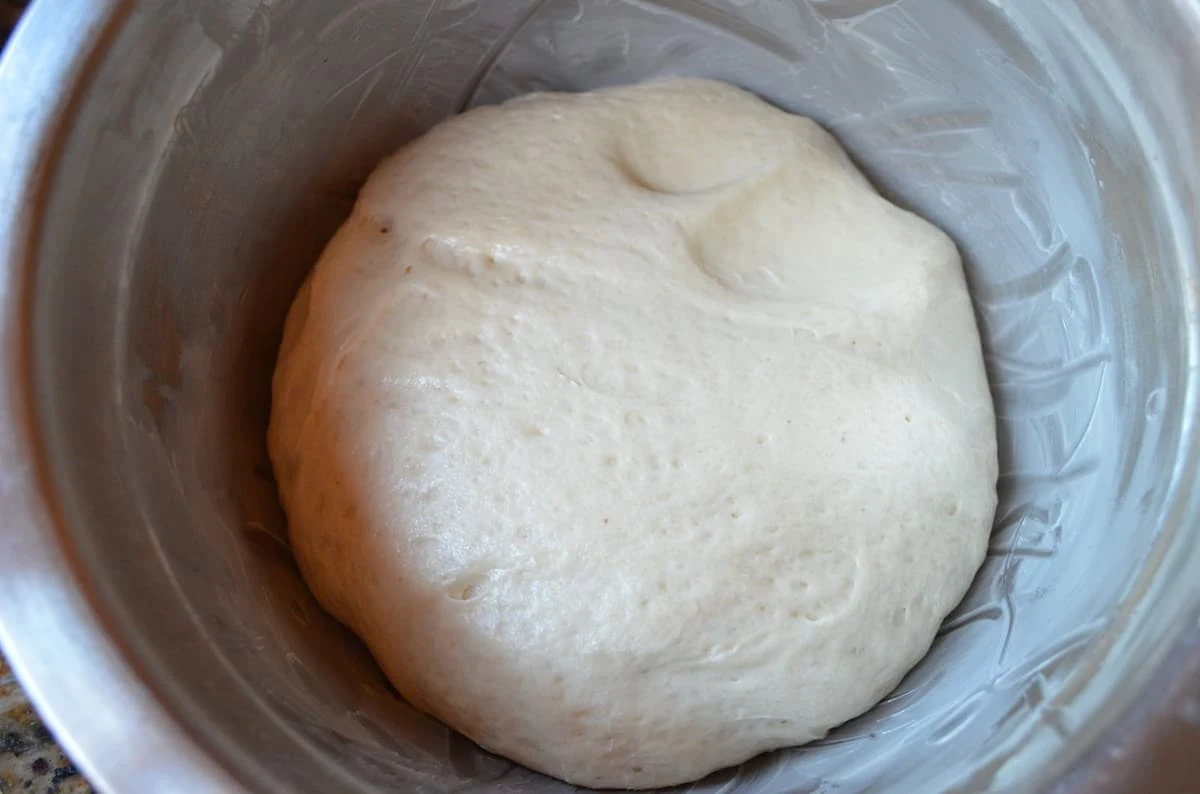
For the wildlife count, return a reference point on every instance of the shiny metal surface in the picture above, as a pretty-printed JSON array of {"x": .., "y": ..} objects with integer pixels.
[{"x": 179, "y": 164}]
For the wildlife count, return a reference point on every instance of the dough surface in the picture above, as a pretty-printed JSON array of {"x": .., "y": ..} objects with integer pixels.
[{"x": 634, "y": 432}]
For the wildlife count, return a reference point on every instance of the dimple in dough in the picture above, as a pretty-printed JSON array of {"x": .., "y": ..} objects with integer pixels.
[{"x": 634, "y": 432}]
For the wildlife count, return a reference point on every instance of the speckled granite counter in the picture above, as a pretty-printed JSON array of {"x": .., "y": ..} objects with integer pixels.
[
  {"x": 10, "y": 12},
  {"x": 30, "y": 759}
]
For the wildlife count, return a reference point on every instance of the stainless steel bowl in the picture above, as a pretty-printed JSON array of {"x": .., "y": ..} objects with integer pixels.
[{"x": 172, "y": 169}]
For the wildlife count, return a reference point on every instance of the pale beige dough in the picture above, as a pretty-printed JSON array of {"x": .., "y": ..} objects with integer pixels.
[{"x": 634, "y": 432}]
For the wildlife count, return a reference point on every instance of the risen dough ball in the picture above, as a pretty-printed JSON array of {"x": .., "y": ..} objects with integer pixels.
[{"x": 634, "y": 432}]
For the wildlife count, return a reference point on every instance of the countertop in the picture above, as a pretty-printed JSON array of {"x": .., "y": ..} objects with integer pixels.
[{"x": 30, "y": 760}]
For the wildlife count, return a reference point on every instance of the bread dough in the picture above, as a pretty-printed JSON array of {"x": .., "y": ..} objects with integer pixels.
[{"x": 634, "y": 432}]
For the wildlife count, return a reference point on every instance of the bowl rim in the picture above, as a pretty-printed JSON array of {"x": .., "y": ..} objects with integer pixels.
[{"x": 82, "y": 684}]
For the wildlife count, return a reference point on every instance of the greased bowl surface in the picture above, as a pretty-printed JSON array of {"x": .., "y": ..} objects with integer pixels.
[{"x": 174, "y": 169}]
